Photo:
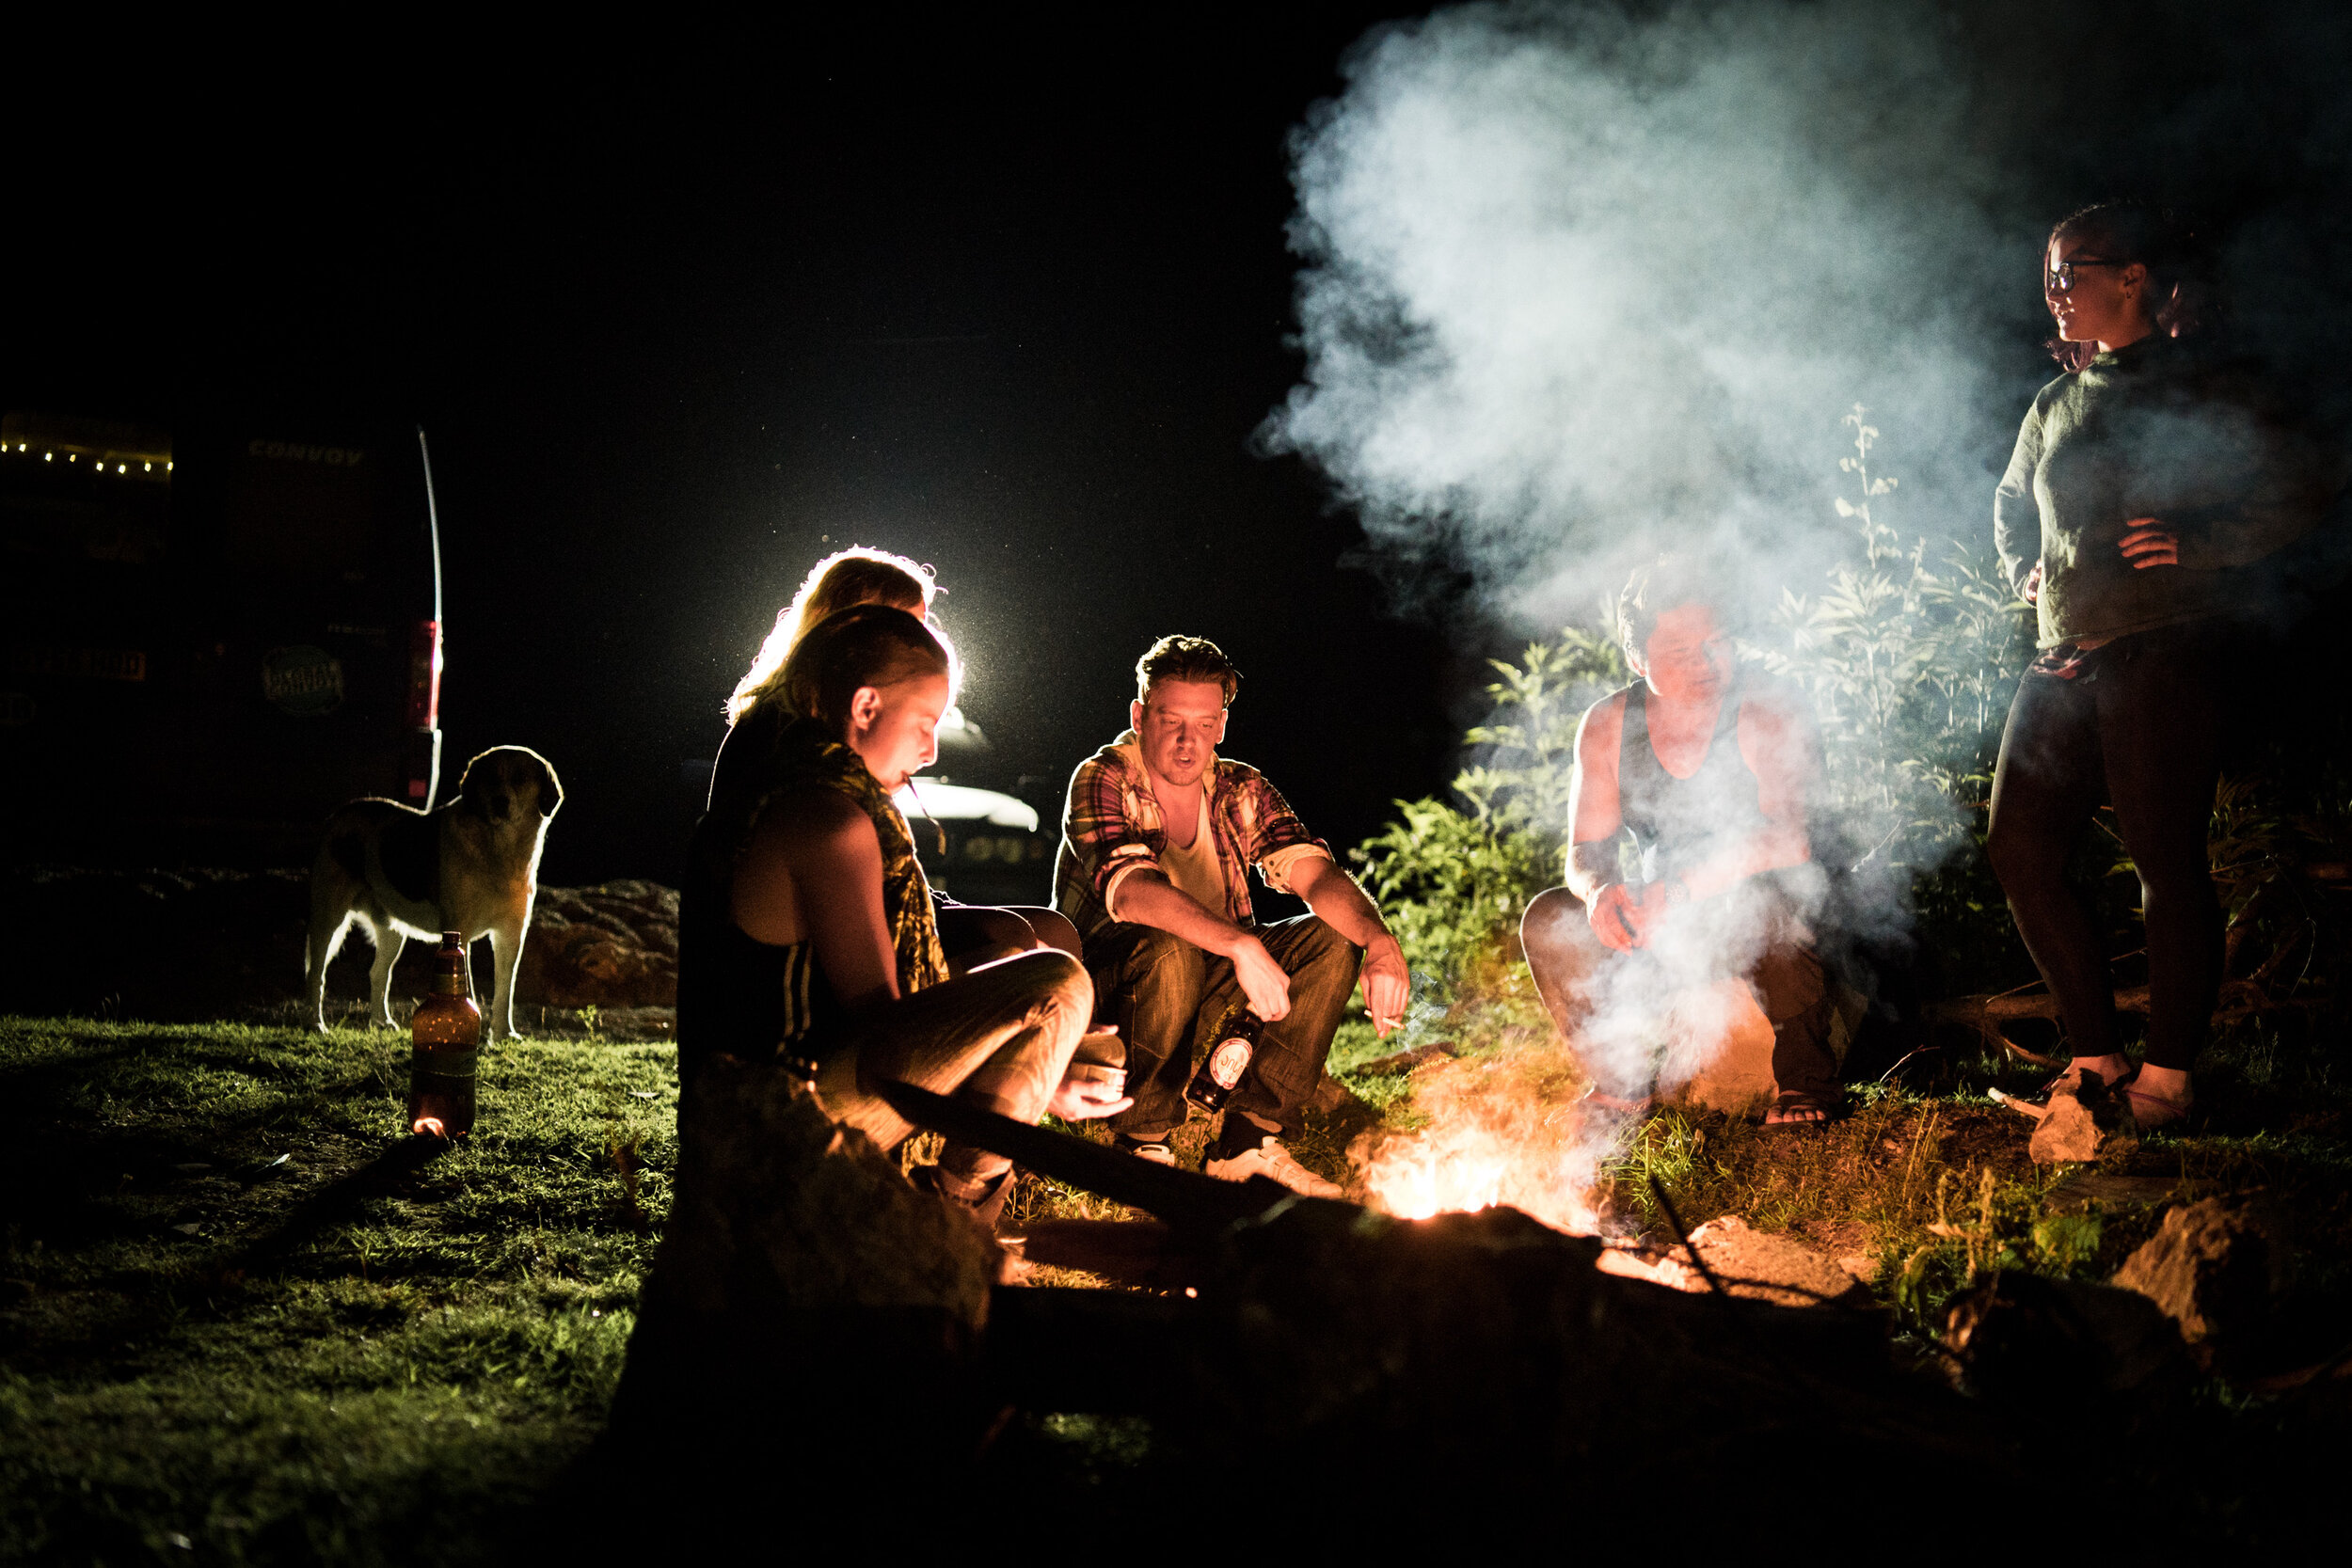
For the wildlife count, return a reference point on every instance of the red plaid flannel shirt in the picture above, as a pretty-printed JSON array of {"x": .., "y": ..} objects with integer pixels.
[{"x": 1111, "y": 827}]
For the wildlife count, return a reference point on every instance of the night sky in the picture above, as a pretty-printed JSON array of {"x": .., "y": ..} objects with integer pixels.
[
  {"x": 1008, "y": 300},
  {"x": 1011, "y": 297}
]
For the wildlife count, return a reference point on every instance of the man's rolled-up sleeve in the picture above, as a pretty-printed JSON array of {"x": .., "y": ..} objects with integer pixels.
[
  {"x": 1109, "y": 845},
  {"x": 1278, "y": 840}
]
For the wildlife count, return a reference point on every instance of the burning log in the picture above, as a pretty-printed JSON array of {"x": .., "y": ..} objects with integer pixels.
[
  {"x": 1487, "y": 1343},
  {"x": 807, "y": 1321}
]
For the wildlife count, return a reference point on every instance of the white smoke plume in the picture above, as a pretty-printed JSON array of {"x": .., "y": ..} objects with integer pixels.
[{"x": 1581, "y": 286}]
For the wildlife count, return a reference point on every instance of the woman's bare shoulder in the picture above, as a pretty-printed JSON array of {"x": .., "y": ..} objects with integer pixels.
[{"x": 813, "y": 813}]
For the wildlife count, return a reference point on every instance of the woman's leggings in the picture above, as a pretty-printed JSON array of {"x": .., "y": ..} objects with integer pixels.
[{"x": 2139, "y": 728}]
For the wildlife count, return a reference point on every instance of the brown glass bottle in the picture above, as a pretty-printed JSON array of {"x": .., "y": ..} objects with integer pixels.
[
  {"x": 1227, "y": 1059},
  {"x": 445, "y": 1034}
]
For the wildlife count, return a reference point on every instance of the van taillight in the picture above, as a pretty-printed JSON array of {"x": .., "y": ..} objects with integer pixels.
[{"x": 424, "y": 675}]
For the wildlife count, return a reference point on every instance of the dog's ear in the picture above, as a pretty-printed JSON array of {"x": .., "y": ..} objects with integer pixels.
[
  {"x": 550, "y": 791},
  {"x": 475, "y": 782}
]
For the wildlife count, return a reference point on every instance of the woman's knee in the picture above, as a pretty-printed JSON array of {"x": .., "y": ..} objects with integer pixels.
[
  {"x": 2019, "y": 854},
  {"x": 1064, "y": 990},
  {"x": 1052, "y": 927}
]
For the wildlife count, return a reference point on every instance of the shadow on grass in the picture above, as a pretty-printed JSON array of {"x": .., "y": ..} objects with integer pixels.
[{"x": 379, "y": 1177}]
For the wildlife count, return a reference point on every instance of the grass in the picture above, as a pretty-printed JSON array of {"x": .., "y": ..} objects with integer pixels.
[
  {"x": 233, "y": 1324},
  {"x": 235, "y": 1318}
]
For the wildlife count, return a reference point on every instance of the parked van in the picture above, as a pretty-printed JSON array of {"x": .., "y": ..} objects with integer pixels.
[{"x": 215, "y": 637}]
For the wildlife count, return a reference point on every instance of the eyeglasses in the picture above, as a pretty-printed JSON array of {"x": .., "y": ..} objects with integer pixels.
[{"x": 2061, "y": 279}]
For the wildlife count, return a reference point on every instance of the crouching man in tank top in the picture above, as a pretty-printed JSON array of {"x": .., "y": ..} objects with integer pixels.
[
  {"x": 1157, "y": 840},
  {"x": 807, "y": 936},
  {"x": 1705, "y": 767}
]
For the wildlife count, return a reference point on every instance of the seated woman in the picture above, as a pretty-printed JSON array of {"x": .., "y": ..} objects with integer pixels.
[
  {"x": 971, "y": 933},
  {"x": 807, "y": 931}
]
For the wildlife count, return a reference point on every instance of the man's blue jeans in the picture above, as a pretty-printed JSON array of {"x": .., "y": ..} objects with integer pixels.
[{"x": 1166, "y": 995}]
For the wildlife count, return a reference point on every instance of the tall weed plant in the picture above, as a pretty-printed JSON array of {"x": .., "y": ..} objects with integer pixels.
[{"x": 1907, "y": 649}]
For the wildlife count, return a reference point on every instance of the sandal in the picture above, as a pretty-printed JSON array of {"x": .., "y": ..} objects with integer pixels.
[{"x": 1795, "y": 1108}]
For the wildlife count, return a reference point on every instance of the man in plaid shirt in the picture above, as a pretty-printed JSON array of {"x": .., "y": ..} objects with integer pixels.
[{"x": 1158, "y": 838}]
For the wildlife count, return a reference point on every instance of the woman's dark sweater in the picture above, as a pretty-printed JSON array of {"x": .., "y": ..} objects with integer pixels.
[{"x": 2158, "y": 430}]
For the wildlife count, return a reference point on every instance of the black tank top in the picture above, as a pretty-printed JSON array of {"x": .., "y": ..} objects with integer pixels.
[
  {"x": 754, "y": 999},
  {"x": 1679, "y": 823},
  {"x": 746, "y": 997}
]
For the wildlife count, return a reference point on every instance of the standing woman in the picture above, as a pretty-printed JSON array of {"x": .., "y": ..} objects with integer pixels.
[{"x": 2145, "y": 480}]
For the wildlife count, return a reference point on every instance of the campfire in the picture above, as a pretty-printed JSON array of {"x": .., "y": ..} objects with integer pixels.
[{"x": 1503, "y": 1132}]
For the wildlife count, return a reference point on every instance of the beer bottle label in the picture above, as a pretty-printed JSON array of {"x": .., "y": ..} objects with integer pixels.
[
  {"x": 441, "y": 1065},
  {"x": 1228, "y": 1061}
]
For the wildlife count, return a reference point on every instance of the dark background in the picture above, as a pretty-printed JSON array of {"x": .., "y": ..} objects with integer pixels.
[
  {"x": 1009, "y": 295},
  {"x": 1005, "y": 300}
]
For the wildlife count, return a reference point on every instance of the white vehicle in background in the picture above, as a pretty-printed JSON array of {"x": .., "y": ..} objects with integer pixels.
[{"x": 978, "y": 846}]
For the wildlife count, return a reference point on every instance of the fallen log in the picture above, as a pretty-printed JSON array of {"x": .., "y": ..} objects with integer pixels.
[
  {"x": 805, "y": 1322},
  {"x": 1986, "y": 1014}
]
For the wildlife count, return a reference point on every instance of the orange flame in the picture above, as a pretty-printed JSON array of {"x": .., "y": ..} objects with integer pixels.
[
  {"x": 431, "y": 1125},
  {"x": 1462, "y": 1169},
  {"x": 1502, "y": 1130}
]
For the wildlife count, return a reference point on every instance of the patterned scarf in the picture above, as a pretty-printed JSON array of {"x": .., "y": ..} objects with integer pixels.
[{"x": 771, "y": 751}]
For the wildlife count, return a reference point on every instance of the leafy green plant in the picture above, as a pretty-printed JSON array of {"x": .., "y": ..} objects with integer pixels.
[
  {"x": 1907, "y": 651},
  {"x": 1455, "y": 878},
  {"x": 1908, "y": 654}
]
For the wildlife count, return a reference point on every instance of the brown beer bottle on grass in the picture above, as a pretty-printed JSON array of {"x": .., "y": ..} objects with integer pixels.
[
  {"x": 1229, "y": 1057},
  {"x": 445, "y": 1032}
]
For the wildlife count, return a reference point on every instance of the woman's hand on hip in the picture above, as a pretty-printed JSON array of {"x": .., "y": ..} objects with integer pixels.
[
  {"x": 2030, "y": 590},
  {"x": 2147, "y": 543}
]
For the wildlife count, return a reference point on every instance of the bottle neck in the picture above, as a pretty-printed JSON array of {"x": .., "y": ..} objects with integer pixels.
[{"x": 449, "y": 979}]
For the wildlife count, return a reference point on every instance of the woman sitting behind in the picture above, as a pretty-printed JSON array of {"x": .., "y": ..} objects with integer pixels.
[
  {"x": 807, "y": 928},
  {"x": 971, "y": 933}
]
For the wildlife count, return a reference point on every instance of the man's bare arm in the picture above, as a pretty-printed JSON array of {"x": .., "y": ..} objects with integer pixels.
[
  {"x": 1148, "y": 898},
  {"x": 1593, "y": 815},
  {"x": 1341, "y": 905}
]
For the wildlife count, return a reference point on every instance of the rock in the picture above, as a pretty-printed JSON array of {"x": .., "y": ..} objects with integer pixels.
[
  {"x": 2084, "y": 1188},
  {"x": 809, "y": 1308},
  {"x": 212, "y": 944},
  {"x": 2052, "y": 1343},
  {"x": 2081, "y": 1122},
  {"x": 611, "y": 946},
  {"x": 2214, "y": 1268},
  {"x": 1756, "y": 1264}
]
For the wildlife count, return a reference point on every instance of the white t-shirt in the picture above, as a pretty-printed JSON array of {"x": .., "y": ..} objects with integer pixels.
[{"x": 1196, "y": 867}]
